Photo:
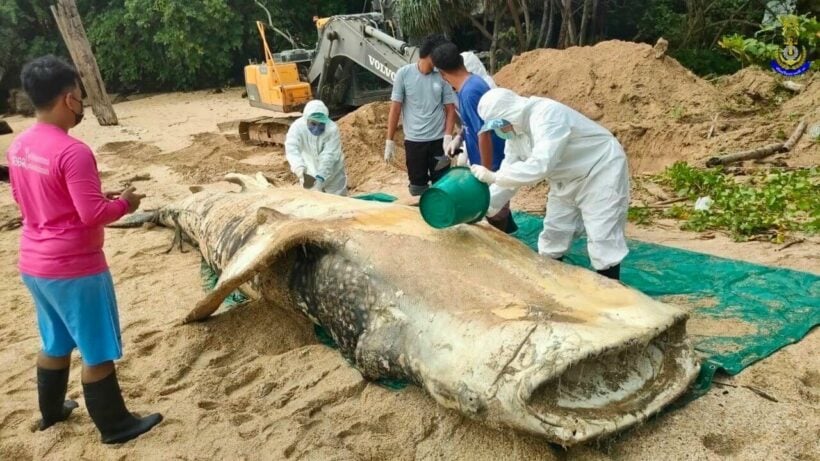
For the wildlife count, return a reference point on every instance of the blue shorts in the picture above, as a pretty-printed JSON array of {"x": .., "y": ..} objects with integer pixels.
[{"x": 78, "y": 312}]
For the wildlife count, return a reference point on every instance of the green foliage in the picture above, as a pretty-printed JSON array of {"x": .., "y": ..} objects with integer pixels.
[
  {"x": 180, "y": 45},
  {"x": 705, "y": 61},
  {"x": 749, "y": 50},
  {"x": 26, "y": 31},
  {"x": 422, "y": 17},
  {"x": 639, "y": 215},
  {"x": 771, "y": 203},
  {"x": 767, "y": 42}
]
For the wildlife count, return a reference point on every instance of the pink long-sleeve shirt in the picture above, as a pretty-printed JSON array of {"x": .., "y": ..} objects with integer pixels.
[{"x": 55, "y": 181}]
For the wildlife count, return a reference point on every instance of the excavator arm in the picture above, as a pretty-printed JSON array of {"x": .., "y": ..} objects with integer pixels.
[{"x": 355, "y": 62}]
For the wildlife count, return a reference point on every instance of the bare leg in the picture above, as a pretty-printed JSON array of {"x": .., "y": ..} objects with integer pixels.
[
  {"x": 97, "y": 372},
  {"x": 53, "y": 363}
]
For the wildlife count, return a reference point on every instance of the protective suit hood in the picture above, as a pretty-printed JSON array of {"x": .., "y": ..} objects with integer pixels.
[
  {"x": 505, "y": 104},
  {"x": 476, "y": 67},
  {"x": 314, "y": 106}
]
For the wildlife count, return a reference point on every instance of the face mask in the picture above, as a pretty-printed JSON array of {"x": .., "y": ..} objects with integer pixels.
[
  {"x": 77, "y": 117},
  {"x": 505, "y": 135},
  {"x": 316, "y": 129}
]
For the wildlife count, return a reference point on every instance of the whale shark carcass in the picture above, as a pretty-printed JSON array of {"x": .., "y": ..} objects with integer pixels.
[{"x": 483, "y": 324}]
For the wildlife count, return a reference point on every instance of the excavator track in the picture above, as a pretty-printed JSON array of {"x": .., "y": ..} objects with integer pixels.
[{"x": 265, "y": 130}]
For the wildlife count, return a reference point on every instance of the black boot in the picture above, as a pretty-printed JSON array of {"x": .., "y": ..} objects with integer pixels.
[
  {"x": 613, "y": 272},
  {"x": 51, "y": 389},
  {"x": 107, "y": 409}
]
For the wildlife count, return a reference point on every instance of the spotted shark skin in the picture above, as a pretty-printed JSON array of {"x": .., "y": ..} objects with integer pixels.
[{"x": 484, "y": 325}]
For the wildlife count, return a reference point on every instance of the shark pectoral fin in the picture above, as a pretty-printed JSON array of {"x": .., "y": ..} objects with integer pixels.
[
  {"x": 248, "y": 183},
  {"x": 254, "y": 257}
]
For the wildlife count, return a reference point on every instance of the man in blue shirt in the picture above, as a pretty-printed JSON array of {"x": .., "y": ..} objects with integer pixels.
[{"x": 485, "y": 148}]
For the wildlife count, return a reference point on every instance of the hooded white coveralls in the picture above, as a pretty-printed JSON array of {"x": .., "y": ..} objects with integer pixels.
[
  {"x": 318, "y": 155},
  {"x": 584, "y": 163},
  {"x": 476, "y": 67}
]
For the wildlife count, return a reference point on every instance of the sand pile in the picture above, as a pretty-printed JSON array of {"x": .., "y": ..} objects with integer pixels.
[
  {"x": 209, "y": 157},
  {"x": 613, "y": 81},
  {"x": 363, "y": 134},
  {"x": 658, "y": 109},
  {"x": 749, "y": 86}
]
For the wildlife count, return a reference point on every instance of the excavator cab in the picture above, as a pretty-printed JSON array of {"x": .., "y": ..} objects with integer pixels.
[{"x": 275, "y": 86}]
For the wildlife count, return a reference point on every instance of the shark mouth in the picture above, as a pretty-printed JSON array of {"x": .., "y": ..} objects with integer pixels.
[{"x": 613, "y": 388}]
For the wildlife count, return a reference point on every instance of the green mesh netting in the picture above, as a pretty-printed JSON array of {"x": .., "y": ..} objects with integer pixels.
[
  {"x": 209, "y": 279},
  {"x": 742, "y": 312}
]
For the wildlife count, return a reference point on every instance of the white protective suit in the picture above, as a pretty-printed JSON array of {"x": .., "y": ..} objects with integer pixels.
[
  {"x": 584, "y": 163},
  {"x": 475, "y": 66},
  {"x": 318, "y": 155}
]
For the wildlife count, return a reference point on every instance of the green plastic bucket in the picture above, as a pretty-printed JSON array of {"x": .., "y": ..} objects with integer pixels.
[{"x": 458, "y": 197}]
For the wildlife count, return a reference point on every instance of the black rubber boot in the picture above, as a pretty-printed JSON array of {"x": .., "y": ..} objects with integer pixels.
[
  {"x": 107, "y": 409},
  {"x": 51, "y": 389},
  {"x": 613, "y": 272}
]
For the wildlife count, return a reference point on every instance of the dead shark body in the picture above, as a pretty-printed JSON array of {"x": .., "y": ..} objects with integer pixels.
[{"x": 485, "y": 325}]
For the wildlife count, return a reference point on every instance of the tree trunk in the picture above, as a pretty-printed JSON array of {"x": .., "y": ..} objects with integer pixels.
[
  {"x": 527, "y": 23},
  {"x": 551, "y": 27},
  {"x": 596, "y": 23},
  {"x": 695, "y": 21},
  {"x": 517, "y": 23},
  {"x": 494, "y": 42},
  {"x": 545, "y": 17},
  {"x": 73, "y": 32},
  {"x": 567, "y": 35},
  {"x": 585, "y": 15}
]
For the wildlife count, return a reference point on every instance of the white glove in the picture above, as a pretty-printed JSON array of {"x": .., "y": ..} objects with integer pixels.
[
  {"x": 451, "y": 144},
  {"x": 319, "y": 185},
  {"x": 482, "y": 174},
  {"x": 300, "y": 173},
  {"x": 389, "y": 150},
  {"x": 462, "y": 159}
]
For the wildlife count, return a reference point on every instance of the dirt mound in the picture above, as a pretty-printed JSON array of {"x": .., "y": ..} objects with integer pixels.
[
  {"x": 749, "y": 86},
  {"x": 363, "y": 134},
  {"x": 209, "y": 157},
  {"x": 657, "y": 108},
  {"x": 613, "y": 81}
]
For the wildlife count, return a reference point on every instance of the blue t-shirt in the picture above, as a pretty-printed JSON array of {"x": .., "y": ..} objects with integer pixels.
[{"x": 471, "y": 92}]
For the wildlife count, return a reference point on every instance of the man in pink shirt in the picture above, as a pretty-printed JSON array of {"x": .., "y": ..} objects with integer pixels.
[{"x": 54, "y": 180}]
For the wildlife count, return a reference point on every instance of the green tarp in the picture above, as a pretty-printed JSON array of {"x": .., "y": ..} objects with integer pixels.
[{"x": 741, "y": 312}]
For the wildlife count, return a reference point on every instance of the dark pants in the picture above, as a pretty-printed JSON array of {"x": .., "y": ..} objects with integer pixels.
[
  {"x": 503, "y": 220},
  {"x": 421, "y": 164}
]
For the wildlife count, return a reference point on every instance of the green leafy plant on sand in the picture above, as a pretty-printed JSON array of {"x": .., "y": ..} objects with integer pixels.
[{"x": 771, "y": 203}]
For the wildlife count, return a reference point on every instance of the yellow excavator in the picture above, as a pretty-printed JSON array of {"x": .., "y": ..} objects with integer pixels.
[
  {"x": 354, "y": 63},
  {"x": 274, "y": 86}
]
